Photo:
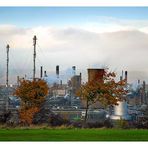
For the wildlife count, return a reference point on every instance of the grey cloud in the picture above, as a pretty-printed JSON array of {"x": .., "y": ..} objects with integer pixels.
[{"x": 119, "y": 50}]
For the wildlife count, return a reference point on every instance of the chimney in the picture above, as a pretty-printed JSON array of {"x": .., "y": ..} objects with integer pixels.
[
  {"x": 95, "y": 75},
  {"x": 143, "y": 85},
  {"x": 57, "y": 71},
  {"x": 25, "y": 76},
  {"x": 126, "y": 76},
  {"x": 120, "y": 78},
  {"x": 61, "y": 83},
  {"x": 45, "y": 75},
  {"x": 122, "y": 74},
  {"x": 74, "y": 70},
  {"x": 143, "y": 93},
  {"x": 41, "y": 72},
  {"x": 80, "y": 77},
  {"x": 18, "y": 80}
]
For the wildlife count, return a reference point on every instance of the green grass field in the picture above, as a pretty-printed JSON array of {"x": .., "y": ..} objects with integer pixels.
[{"x": 73, "y": 135}]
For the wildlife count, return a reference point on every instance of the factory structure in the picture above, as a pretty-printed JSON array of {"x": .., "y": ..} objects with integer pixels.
[{"x": 62, "y": 98}]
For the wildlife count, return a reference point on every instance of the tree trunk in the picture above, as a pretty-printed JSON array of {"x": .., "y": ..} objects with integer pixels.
[{"x": 86, "y": 112}]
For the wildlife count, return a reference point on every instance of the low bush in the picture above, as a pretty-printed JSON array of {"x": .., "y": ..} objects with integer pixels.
[
  {"x": 121, "y": 124},
  {"x": 108, "y": 123}
]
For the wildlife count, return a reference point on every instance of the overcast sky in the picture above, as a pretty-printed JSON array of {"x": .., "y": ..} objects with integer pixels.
[{"x": 87, "y": 37}]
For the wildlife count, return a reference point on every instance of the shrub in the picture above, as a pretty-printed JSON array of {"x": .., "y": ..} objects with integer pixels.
[
  {"x": 108, "y": 123},
  {"x": 121, "y": 124}
]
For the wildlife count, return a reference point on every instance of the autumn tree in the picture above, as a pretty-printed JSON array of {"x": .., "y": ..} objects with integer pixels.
[
  {"x": 32, "y": 95},
  {"x": 107, "y": 91}
]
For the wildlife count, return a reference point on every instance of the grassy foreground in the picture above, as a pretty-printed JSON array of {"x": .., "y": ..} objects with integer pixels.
[{"x": 73, "y": 135}]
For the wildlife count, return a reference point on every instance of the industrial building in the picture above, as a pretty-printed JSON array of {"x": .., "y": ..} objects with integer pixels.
[
  {"x": 62, "y": 97},
  {"x": 75, "y": 83}
]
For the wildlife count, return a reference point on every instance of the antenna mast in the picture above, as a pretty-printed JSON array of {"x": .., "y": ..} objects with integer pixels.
[
  {"x": 34, "y": 56},
  {"x": 7, "y": 47}
]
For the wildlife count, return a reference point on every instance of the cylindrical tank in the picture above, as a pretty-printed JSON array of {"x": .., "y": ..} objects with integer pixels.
[{"x": 121, "y": 109}]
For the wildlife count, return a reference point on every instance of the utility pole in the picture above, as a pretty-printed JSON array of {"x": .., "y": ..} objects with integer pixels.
[
  {"x": 7, "y": 73},
  {"x": 34, "y": 56}
]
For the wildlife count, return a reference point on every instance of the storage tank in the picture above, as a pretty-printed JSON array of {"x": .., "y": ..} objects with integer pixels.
[{"x": 121, "y": 111}]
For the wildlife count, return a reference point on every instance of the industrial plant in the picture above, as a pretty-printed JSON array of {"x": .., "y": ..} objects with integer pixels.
[{"x": 63, "y": 100}]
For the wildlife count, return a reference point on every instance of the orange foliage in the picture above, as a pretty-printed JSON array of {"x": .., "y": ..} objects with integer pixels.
[
  {"x": 32, "y": 95},
  {"x": 26, "y": 115},
  {"x": 107, "y": 92}
]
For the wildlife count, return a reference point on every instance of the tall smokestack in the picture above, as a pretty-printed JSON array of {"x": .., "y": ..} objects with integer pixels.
[
  {"x": 18, "y": 80},
  {"x": 7, "y": 73},
  {"x": 25, "y": 77},
  {"x": 61, "y": 83},
  {"x": 80, "y": 77},
  {"x": 34, "y": 56},
  {"x": 143, "y": 93},
  {"x": 122, "y": 74},
  {"x": 57, "y": 71},
  {"x": 45, "y": 74},
  {"x": 41, "y": 72},
  {"x": 143, "y": 85},
  {"x": 74, "y": 70},
  {"x": 126, "y": 76},
  {"x": 120, "y": 78}
]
